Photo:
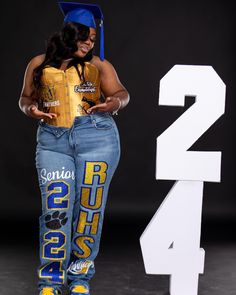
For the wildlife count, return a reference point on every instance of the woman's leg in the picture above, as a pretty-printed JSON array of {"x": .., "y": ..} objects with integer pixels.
[
  {"x": 56, "y": 173},
  {"x": 98, "y": 152}
]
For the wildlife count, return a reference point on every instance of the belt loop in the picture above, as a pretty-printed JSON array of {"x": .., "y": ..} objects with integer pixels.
[
  {"x": 71, "y": 135},
  {"x": 93, "y": 120}
]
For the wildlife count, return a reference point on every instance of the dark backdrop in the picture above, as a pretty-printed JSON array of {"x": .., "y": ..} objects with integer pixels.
[{"x": 143, "y": 40}]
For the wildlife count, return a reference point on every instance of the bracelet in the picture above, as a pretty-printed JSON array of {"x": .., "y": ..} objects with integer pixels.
[{"x": 115, "y": 112}]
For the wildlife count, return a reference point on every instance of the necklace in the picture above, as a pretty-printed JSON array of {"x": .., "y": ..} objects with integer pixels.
[{"x": 69, "y": 59}]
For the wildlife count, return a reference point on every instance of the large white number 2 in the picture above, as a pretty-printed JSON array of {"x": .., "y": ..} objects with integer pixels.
[{"x": 171, "y": 242}]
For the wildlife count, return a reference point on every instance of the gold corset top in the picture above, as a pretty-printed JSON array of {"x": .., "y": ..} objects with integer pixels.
[{"x": 64, "y": 93}]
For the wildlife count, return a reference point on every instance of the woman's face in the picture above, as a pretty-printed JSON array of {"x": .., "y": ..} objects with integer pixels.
[{"x": 85, "y": 46}]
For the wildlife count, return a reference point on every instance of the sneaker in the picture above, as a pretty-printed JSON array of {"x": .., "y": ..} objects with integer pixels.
[
  {"x": 79, "y": 290},
  {"x": 49, "y": 291}
]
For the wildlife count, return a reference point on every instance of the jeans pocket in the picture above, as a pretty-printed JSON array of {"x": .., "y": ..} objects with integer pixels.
[
  {"x": 44, "y": 136},
  {"x": 103, "y": 124},
  {"x": 48, "y": 136}
]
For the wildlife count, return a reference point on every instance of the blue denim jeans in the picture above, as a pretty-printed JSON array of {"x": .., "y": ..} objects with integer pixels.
[{"x": 75, "y": 166}]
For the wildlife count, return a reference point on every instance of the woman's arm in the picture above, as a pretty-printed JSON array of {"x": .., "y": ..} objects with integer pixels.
[
  {"x": 116, "y": 95},
  {"x": 28, "y": 102}
]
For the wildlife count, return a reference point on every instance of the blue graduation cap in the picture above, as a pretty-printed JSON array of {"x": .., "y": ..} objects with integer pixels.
[{"x": 84, "y": 14}]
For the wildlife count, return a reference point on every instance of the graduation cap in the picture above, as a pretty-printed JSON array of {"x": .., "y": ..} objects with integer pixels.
[{"x": 84, "y": 14}]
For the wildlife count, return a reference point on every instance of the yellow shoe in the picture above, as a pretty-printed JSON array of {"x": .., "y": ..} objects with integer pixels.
[
  {"x": 49, "y": 291},
  {"x": 79, "y": 290}
]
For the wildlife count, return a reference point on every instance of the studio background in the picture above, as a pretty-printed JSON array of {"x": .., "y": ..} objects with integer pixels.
[{"x": 143, "y": 40}]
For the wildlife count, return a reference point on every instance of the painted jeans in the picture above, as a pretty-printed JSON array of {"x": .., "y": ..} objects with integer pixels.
[{"x": 75, "y": 166}]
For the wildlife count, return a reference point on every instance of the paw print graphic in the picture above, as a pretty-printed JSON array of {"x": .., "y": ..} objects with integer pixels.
[{"x": 55, "y": 220}]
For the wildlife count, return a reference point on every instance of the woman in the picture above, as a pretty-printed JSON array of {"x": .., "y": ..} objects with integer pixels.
[{"x": 73, "y": 94}]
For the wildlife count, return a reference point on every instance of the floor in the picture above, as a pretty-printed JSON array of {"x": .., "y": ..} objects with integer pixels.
[{"x": 119, "y": 265}]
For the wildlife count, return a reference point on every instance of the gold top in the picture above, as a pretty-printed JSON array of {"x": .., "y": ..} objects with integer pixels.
[{"x": 64, "y": 93}]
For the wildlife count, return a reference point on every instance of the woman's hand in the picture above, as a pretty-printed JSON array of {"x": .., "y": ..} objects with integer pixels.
[
  {"x": 34, "y": 112},
  {"x": 111, "y": 104}
]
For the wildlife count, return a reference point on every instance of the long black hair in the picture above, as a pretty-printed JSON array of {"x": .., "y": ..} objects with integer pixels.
[{"x": 62, "y": 45}]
